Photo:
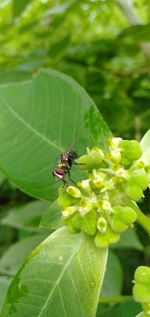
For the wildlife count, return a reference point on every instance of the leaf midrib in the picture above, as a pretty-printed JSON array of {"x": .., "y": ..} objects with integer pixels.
[
  {"x": 78, "y": 245},
  {"x": 28, "y": 126}
]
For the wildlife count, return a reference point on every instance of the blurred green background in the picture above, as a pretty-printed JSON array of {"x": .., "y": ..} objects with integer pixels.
[{"x": 105, "y": 46}]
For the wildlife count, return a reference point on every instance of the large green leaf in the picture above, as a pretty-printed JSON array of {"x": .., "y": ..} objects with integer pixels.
[
  {"x": 38, "y": 120},
  {"x": 26, "y": 217},
  {"x": 62, "y": 277}
]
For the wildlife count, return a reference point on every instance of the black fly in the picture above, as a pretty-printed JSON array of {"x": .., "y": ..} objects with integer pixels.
[{"x": 64, "y": 164}]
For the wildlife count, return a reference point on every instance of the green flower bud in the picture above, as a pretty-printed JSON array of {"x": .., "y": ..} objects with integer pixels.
[
  {"x": 128, "y": 215},
  {"x": 114, "y": 143},
  {"x": 142, "y": 275},
  {"x": 133, "y": 191},
  {"x": 139, "y": 178},
  {"x": 141, "y": 293},
  {"x": 85, "y": 186},
  {"x": 102, "y": 225},
  {"x": 92, "y": 159},
  {"x": 130, "y": 151},
  {"x": 118, "y": 225},
  {"x": 89, "y": 223},
  {"x": 85, "y": 206},
  {"x": 64, "y": 199},
  {"x": 106, "y": 205},
  {"x": 101, "y": 240},
  {"x": 69, "y": 211},
  {"x": 115, "y": 156},
  {"x": 77, "y": 221},
  {"x": 73, "y": 191},
  {"x": 68, "y": 223}
]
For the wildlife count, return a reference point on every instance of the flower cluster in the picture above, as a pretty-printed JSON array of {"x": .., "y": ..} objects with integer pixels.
[
  {"x": 141, "y": 289},
  {"x": 99, "y": 205}
]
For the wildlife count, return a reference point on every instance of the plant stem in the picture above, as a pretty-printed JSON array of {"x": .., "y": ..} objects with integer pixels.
[
  {"x": 115, "y": 299},
  {"x": 143, "y": 220}
]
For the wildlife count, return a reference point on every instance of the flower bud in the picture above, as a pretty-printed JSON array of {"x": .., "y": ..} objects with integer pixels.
[
  {"x": 117, "y": 225},
  {"x": 133, "y": 191},
  {"x": 89, "y": 223},
  {"x": 68, "y": 223},
  {"x": 101, "y": 240},
  {"x": 92, "y": 159},
  {"x": 64, "y": 199},
  {"x": 69, "y": 211},
  {"x": 114, "y": 143},
  {"x": 141, "y": 293},
  {"x": 85, "y": 186},
  {"x": 128, "y": 215},
  {"x": 85, "y": 206},
  {"x": 115, "y": 156},
  {"x": 142, "y": 275},
  {"x": 130, "y": 151},
  {"x": 77, "y": 221},
  {"x": 73, "y": 191},
  {"x": 102, "y": 225},
  {"x": 139, "y": 178}
]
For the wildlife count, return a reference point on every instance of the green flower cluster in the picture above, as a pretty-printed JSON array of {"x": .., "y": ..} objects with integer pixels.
[
  {"x": 96, "y": 204},
  {"x": 141, "y": 289}
]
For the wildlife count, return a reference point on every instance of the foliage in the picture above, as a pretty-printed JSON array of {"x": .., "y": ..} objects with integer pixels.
[{"x": 42, "y": 113}]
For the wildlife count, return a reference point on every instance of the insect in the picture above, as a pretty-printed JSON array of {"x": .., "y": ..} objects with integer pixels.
[{"x": 64, "y": 164}]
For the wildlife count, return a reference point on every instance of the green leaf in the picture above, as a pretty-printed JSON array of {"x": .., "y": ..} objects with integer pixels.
[
  {"x": 52, "y": 217},
  {"x": 125, "y": 309},
  {"x": 26, "y": 217},
  {"x": 39, "y": 119},
  {"x": 15, "y": 255},
  {"x": 145, "y": 142},
  {"x": 61, "y": 277},
  {"x": 4, "y": 284},
  {"x": 19, "y": 6},
  {"x": 129, "y": 239},
  {"x": 113, "y": 279},
  {"x": 137, "y": 32},
  {"x": 145, "y": 145}
]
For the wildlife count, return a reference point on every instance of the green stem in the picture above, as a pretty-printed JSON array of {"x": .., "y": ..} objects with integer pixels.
[
  {"x": 115, "y": 299},
  {"x": 143, "y": 220}
]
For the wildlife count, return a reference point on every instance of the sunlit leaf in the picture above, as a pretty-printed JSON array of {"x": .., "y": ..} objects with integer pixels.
[{"x": 52, "y": 217}]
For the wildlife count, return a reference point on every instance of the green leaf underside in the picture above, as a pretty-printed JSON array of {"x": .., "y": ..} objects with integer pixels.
[
  {"x": 52, "y": 217},
  {"x": 49, "y": 283},
  {"x": 26, "y": 217},
  {"x": 38, "y": 120}
]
